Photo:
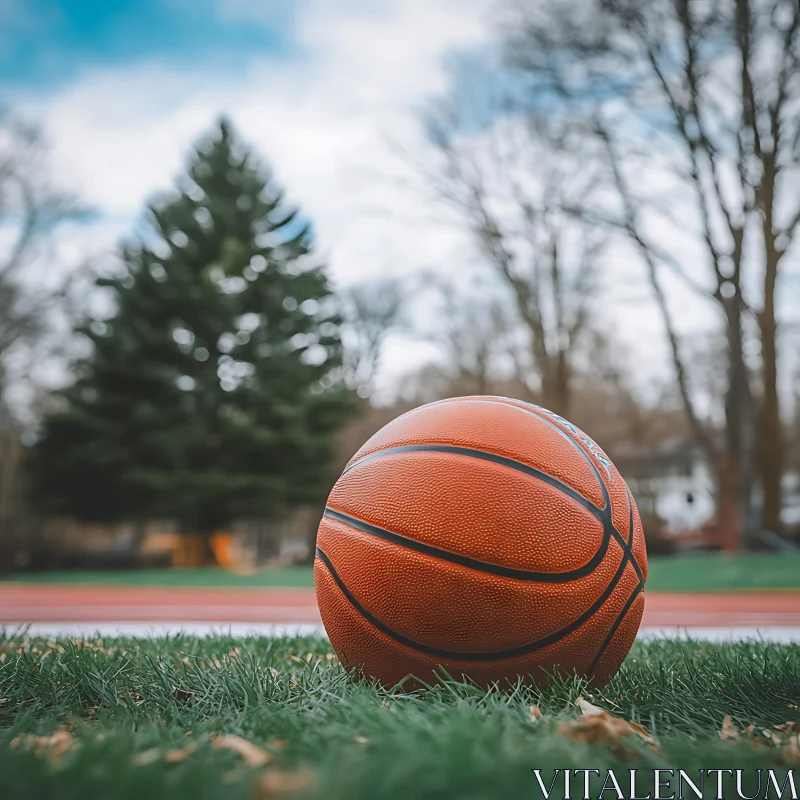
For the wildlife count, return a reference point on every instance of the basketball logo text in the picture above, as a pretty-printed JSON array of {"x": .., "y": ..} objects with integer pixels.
[{"x": 591, "y": 446}]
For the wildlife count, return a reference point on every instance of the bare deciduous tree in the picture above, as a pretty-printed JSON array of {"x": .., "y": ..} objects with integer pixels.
[
  {"x": 475, "y": 333},
  {"x": 371, "y": 310},
  {"x": 30, "y": 210},
  {"x": 519, "y": 191},
  {"x": 706, "y": 93}
]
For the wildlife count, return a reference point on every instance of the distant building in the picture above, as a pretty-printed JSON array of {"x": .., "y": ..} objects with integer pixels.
[
  {"x": 674, "y": 486},
  {"x": 671, "y": 482}
]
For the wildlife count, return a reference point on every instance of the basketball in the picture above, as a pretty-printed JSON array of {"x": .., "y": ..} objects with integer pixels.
[{"x": 483, "y": 538}]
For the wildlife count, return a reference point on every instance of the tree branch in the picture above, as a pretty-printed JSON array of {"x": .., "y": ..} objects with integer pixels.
[{"x": 632, "y": 226}]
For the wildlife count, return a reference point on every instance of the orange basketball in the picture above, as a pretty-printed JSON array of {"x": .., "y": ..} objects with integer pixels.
[{"x": 486, "y": 536}]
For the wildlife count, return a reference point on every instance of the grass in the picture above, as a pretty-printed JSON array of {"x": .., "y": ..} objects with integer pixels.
[
  {"x": 709, "y": 572},
  {"x": 130, "y": 703},
  {"x": 291, "y": 577},
  {"x": 685, "y": 573}
]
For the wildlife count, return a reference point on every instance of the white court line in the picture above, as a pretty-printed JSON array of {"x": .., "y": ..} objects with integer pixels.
[
  {"x": 79, "y": 613},
  {"x": 777, "y": 634},
  {"x": 85, "y": 630},
  {"x": 781, "y": 635}
]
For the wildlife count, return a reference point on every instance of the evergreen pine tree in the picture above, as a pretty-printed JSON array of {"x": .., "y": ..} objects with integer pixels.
[{"x": 215, "y": 390}]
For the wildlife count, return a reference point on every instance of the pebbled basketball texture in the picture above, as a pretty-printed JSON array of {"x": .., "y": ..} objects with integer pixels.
[{"x": 485, "y": 536}]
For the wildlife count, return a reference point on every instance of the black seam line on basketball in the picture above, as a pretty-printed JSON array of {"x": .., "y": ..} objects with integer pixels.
[
  {"x": 626, "y": 556},
  {"x": 499, "y": 401},
  {"x": 604, "y": 514},
  {"x": 626, "y": 546},
  {"x": 615, "y": 627},
  {"x": 606, "y": 510},
  {"x": 601, "y": 514},
  {"x": 493, "y": 458},
  {"x": 635, "y": 563},
  {"x": 629, "y": 547},
  {"x": 558, "y": 429},
  {"x": 532, "y": 647},
  {"x": 472, "y": 563}
]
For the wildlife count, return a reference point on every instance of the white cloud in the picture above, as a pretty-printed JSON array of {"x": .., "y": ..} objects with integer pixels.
[{"x": 323, "y": 118}]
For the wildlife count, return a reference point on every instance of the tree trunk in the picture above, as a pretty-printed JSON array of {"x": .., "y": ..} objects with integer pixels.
[
  {"x": 556, "y": 394},
  {"x": 771, "y": 445},
  {"x": 729, "y": 517},
  {"x": 563, "y": 394},
  {"x": 736, "y": 467}
]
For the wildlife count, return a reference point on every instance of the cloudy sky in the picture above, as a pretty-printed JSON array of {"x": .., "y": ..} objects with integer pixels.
[{"x": 327, "y": 90}]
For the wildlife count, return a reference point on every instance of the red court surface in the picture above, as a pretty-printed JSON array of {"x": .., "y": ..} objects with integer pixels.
[{"x": 27, "y": 603}]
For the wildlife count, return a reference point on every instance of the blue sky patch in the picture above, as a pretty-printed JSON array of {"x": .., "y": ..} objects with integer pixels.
[{"x": 46, "y": 42}]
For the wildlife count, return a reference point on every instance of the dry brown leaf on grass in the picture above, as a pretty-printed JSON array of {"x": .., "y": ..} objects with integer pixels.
[
  {"x": 728, "y": 730},
  {"x": 59, "y": 743},
  {"x": 183, "y": 695},
  {"x": 147, "y": 757},
  {"x": 83, "y": 644},
  {"x": 252, "y": 754},
  {"x": 790, "y": 751},
  {"x": 275, "y": 783},
  {"x": 589, "y": 710},
  {"x": 770, "y": 736},
  {"x": 174, "y": 756},
  {"x": 535, "y": 713},
  {"x": 788, "y": 727},
  {"x": 781, "y": 736},
  {"x": 179, "y": 754},
  {"x": 642, "y": 732},
  {"x": 52, "y": 746},
  {"x": 598, "y": 726}
]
